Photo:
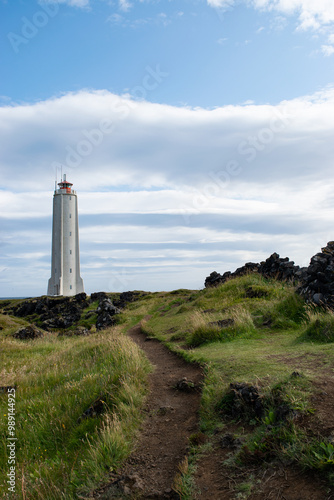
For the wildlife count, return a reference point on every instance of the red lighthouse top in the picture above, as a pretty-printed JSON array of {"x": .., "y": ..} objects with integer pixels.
[{"x": 65, "y": 185}]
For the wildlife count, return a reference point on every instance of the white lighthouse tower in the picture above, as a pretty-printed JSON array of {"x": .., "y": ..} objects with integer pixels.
[{"x": 65, "y": 267}]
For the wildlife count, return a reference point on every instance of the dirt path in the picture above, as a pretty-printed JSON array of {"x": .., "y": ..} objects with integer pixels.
[{"x": 172, "y": 416}]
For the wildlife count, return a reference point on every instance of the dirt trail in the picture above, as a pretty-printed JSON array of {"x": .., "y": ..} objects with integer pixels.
[{"x": 172, "y": 416}]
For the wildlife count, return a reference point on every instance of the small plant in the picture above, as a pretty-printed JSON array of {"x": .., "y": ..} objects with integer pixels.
[
  {"x": 245, "y": 489},
  {"x": 324, "y": 456},
  {"x": 270, "y": 418},
  {"x": 197, "y": 439},
  {"x": 183, "y": 483}
]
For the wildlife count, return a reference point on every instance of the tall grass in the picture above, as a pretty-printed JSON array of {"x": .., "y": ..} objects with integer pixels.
[
  {"x": 60, "y": 451},
  {"x": 61, "y": 454},
  {"x": 319, "y": 328},
  {"x": 206, "y": 328}
]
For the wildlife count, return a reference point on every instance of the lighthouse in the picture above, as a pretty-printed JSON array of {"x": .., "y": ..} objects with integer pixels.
[{"x": 65, "y": 262}]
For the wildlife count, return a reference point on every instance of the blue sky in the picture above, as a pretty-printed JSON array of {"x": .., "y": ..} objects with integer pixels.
[
  {"x": 213, "y": 56},
  {"x": 198, "y": 135}
]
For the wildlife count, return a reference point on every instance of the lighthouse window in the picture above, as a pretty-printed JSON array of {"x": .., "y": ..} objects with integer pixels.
[
  {"x": 70, "y": 233},
  {"x": 70, "y": 287},
  {"x": 70, "y": 197},
  {"x": 70, "y": 252},
  {"x": 70, "y": 216},
  {"x": 70, "y": 269}
]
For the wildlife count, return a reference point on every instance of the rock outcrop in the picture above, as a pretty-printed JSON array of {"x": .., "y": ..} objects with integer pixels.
[
  {"x": 106, "y": 314},
  {"x": 273, "y": 267},
  {"x": 28, "y": 333},
  {"x": 315, "y": 282},
  {"x": 60, "y": 312}
]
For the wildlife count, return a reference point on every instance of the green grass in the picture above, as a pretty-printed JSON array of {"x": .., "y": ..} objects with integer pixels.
[
  {"x": 320, "y": 328},
  {"x": 90, "y": 322},
  {"x": 59, "y": 454},
  {"x": 249, "y": 330},
  {"x": 273, "y": 334}
]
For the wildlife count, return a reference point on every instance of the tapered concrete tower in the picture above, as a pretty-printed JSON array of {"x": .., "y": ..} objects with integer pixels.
[{"x": 65, "y": 266}]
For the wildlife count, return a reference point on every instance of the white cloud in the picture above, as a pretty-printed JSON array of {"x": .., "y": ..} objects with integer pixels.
[
  {"x": 124, "y": 5},
  {"x": 312, "y": 14},
  {"x": 221, "y": 4},
  {"x": 70, "y": 3},
  {"x": 322, "y": 11},
  {"x": 115, "y": 19},
  {"x": 163, "y": 187},
  {"x": 328, "y": 50},
  {"x": 137, "y": 143}
]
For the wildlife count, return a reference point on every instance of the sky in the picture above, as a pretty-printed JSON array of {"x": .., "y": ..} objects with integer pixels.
[{"x": 198, "y": 135}]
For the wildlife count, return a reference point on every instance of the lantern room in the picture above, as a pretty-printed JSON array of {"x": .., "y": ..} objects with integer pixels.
[{"x": 65, "y": 186}]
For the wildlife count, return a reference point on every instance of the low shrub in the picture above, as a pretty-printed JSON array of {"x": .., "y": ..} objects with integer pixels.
[
  {"x": 205, "y": 334},
  {"x": 290, "y": 312},
  {"x": 320, "y": 329}
]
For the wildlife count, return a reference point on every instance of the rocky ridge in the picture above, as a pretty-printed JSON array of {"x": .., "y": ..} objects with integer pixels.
[
  {"x": 61, "y": 313},
  {"x": 315, "y": 282}
]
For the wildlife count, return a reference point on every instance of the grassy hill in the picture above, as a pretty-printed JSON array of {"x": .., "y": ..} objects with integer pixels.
[{"x": 266, "y": 356}]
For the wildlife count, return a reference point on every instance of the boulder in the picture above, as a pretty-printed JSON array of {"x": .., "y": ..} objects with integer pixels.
[
  {"x": 106, "y": 314},
  {"x": 28, "y": 332},
  {"x": 242, "y": 399},
  {"x": 107, "y": 306},
  {"x": 127, "y": 297},
  {"x": 317, "y": 281},
  {"x": 25, "y": 308},
  {"x": 216, "y": 279},
  {"x": 185, "y": 385},
  {"x": 79, "y": 331},
  {"x": 98, "y": 296},
  {"x": 104, "y": 320},
  {"x": 279, "y": 268},
  {"x": 95, "y": 409}
]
